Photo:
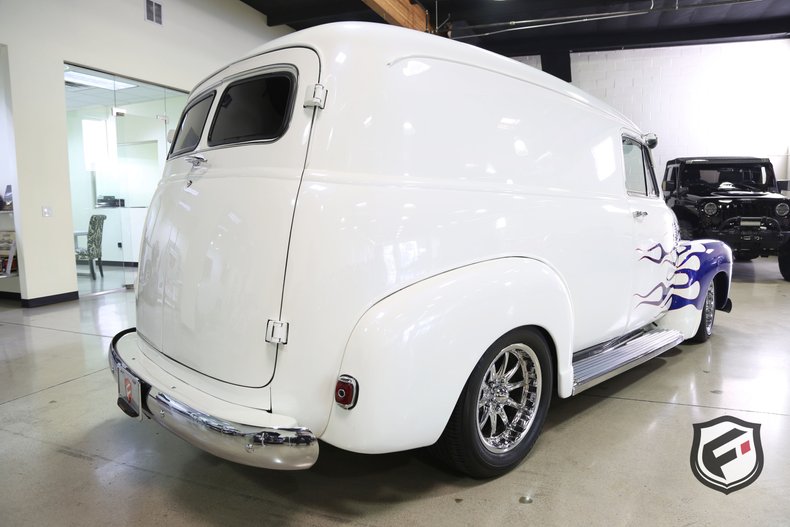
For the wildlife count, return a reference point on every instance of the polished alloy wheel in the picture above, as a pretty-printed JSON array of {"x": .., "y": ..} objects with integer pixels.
[
  {"x": 709, "y": 309},
  {"x": 508, "y": 398}
]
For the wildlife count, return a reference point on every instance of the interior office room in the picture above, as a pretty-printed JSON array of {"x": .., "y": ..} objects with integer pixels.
[{"x": 92, "y": 94}]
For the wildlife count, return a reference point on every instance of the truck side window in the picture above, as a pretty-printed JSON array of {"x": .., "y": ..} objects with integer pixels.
[
  {"x": 191, "y": 126},
  {"x": 256, "y": 109},
  {"x": 639, "y": 177}
]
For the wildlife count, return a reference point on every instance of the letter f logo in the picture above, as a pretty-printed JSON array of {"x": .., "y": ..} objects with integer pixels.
[
  {"x": 714, "y": 463},
  {"x": 726, "y": 454}
]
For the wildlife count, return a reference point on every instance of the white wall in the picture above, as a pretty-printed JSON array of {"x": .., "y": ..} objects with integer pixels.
[
  {"x": 531, "y": 60},
  {"x": 717, "y": 99},
  {"x": 197, "y": 38}
]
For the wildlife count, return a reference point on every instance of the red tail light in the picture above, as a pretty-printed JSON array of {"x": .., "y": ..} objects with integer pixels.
[{"x": 346, "y": 392}]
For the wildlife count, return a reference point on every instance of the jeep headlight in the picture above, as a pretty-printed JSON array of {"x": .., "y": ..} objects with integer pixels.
[
  {"x": 782, "y": 209},
  {"x": 710, "y": 209}
]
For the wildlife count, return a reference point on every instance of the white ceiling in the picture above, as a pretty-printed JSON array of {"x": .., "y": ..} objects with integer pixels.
[{"x": 86, "y": 96}]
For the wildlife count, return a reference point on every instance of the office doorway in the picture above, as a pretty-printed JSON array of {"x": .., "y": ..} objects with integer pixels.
[{"x": 117, "y": 141}]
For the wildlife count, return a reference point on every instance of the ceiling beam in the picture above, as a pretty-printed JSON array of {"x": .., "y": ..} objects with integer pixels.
[
  {"x": 539, "y": 43},
  {"x": 402, "y": 13}
]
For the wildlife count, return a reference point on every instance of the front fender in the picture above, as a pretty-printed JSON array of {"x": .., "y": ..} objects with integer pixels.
[
  {"x": 699, "y": 262},
  {"x": 412, "y": 352}
]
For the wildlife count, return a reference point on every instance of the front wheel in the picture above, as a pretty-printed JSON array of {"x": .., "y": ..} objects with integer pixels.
[
  {"x": 502, "y": 407},
  {"x": 705, "y": 329},
  {"x": 784, "y": 261}
]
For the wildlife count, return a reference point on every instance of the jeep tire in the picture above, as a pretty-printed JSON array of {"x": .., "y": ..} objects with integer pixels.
[{"x": 784, "y": 261}]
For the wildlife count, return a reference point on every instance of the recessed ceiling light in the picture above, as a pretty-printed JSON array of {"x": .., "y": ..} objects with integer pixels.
[{"x": 96, "y": 82}]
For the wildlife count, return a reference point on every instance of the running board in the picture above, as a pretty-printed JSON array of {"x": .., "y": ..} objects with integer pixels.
[{"x": 599, "y": 364}]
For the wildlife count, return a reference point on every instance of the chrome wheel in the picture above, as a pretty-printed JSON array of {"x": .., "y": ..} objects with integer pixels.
[
  {"x": 705, "y": 328},
  {"x": 709, "y": 309},
  {"x": 502, "y": 407},
  {"x": 508, "y": 398}
]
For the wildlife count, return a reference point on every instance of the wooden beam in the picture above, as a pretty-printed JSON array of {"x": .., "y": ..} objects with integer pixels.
[{"x": 401, "y": 13}]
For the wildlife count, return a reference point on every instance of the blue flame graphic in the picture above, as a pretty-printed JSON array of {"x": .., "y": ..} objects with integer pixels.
[
  {"x": 695, "y": 262},
  {"x": 698, "y": 261}
]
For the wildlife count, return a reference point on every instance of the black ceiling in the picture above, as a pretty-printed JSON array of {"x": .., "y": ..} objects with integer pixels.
[{"x": 567, "y": 25}]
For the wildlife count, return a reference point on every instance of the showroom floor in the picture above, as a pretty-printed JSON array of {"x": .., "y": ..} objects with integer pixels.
[
  {"x": 615, "y": 455},
  {"x": 114, "y": 278}
]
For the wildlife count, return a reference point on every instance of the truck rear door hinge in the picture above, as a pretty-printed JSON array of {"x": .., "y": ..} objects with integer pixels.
[
  {"x": 316, "y": 96},
  {"x": 277, "y": 332}
]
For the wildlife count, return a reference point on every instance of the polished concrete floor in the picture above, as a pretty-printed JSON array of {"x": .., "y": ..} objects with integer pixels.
[
  {"x": 615, "y": 455},
  {"x": 115, "y": 277}
]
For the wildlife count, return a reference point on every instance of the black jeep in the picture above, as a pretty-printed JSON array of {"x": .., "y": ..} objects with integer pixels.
[{"x": 733, "y": 199}]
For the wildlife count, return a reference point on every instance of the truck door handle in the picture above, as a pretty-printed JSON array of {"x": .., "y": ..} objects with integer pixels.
[
  {"x": 195, "y": 160},
  {"x": 640, "y": 213}
]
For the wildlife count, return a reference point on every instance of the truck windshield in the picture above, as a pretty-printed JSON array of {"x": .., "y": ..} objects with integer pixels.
[{"x": 733, "y": 176}]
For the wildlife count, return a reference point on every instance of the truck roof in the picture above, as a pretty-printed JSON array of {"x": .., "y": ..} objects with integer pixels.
[
  {"x": 391, "y": 44},
  {"x": 719, "y": 160}
]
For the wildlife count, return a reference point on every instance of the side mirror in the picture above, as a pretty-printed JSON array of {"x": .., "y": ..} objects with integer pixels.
[
  {"x": 171, "y": 134},
  {"x": 651, "y": 140},
  {"x": 669, "y": 186},
  {"x": 783, "y": 184}
]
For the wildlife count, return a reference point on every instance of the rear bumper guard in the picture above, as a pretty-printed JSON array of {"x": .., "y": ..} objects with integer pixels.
[{"x": 258, "y": 446}]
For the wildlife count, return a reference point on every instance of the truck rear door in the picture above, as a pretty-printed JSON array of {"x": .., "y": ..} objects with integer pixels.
[{"x": 216, "y": 239}]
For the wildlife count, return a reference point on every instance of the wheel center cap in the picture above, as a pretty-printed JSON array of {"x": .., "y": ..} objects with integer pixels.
[{"x": 500, "y": 394}]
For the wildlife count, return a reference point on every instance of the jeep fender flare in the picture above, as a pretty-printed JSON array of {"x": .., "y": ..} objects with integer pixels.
[{"x": 413, "y": 351}]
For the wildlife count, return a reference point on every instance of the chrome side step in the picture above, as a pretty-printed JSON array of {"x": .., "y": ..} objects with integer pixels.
[{"x": 596, "y": 365}]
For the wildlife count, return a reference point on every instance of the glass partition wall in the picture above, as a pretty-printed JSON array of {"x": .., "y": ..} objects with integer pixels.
[{"x": 117, "y": 134}]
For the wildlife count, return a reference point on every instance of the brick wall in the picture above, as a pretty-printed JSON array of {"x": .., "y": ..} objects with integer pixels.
[{"x": 715, "y": 99}]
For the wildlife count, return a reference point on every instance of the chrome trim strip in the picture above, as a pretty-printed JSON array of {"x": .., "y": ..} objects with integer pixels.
[{"x": 264, "y": 447}]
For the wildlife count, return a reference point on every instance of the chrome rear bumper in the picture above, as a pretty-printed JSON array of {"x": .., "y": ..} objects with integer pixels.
[{"x": 264, "y": 447}]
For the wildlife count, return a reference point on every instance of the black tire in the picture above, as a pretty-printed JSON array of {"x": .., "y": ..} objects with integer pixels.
[
  {"x": 705, "y": 328},
  {"x": 477, "y": 441},
  {"x": 784, "y": 261},
  {"x": 686, "y": 230}
]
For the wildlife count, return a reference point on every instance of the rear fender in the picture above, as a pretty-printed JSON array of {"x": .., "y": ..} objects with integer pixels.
[{"x": 413, "y": 352}]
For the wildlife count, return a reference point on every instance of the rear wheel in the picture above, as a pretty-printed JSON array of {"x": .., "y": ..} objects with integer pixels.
[
  {"x": 705, "y": 329},
  {"x": 784, "y": 261},
  {"x": 501, "y": 410}
]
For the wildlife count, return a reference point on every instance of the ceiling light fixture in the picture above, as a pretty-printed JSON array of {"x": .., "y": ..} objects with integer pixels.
[{"x": 96, "y": 82}]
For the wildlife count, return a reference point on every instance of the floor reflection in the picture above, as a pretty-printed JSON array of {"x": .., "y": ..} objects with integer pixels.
[
  {"x": 115, "y": 278},
  {"x": 759, "y": 269}
]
